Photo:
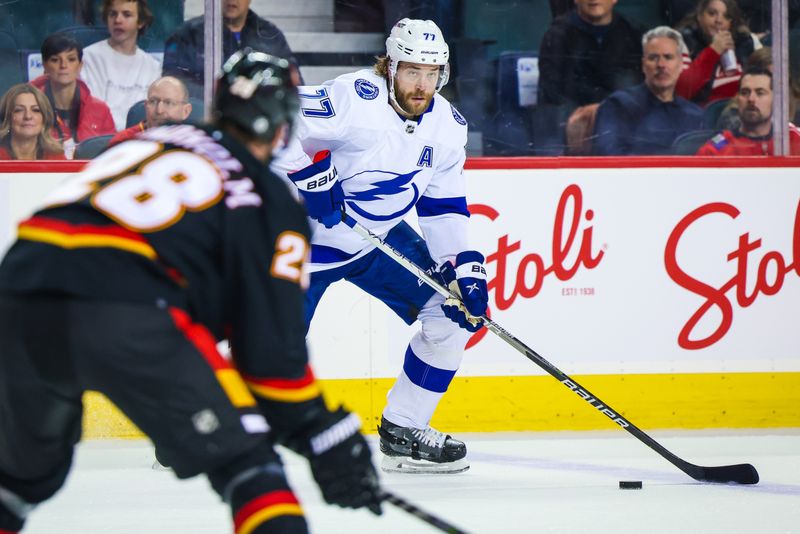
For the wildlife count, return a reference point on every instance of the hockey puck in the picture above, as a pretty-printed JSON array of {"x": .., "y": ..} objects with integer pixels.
[{"x": 630, "y": 484}]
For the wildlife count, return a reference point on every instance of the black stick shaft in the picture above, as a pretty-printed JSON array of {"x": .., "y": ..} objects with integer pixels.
[
  {"x": 417, "y": 512},
  {"x": 740, "y": 473}
]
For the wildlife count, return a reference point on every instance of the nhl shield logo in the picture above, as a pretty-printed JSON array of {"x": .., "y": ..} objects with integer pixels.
[{"x": 366, "y": 89}]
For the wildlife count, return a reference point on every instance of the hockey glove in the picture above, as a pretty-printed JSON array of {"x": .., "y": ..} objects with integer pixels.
[
  {"x": 342, "y": 464},
  {"x": 321, "y": 190},
  {"x": 466, "y": 280}
]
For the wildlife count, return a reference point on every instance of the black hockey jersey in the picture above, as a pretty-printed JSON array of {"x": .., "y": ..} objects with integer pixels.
[{"x": 183, "y": 218}]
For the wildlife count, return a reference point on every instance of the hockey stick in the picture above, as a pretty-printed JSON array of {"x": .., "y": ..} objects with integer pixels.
[
  {"x": 432, "y": 520},
  {"x": 739, "y": 473}
]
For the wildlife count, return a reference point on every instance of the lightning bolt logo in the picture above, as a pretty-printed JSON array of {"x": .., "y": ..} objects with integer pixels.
[{"x": 378, "y": 191}]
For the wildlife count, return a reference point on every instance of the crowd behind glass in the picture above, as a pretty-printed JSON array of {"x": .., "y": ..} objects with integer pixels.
[{"x": 564, "y": 77}]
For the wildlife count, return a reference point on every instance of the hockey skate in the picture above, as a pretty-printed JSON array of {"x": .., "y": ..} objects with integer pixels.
[{"x": 415, "y": 450}]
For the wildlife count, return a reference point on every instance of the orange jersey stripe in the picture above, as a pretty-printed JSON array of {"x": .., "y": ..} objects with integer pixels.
[
  {"x": 66, "y": 235},
  {"x": 263, "y": 508}
]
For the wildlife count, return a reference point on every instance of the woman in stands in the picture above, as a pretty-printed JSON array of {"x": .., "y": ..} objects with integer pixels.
[
  {"x": 78, "y": 115},
  {"x": 23, "y": 134},
  {"x": 718, "y": 43}
]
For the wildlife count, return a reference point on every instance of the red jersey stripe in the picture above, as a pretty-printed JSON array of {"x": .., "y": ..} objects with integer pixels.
[{"x": 263, "y": 508}]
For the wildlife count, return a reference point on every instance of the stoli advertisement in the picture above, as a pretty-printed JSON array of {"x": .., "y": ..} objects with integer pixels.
[
  {"x": 640, "y": 270},
  {"x": 651, "y": 270},
  {"x": 599, "y": 270}
]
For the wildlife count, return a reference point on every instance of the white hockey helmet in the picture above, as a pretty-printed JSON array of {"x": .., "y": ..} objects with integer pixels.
[{"x": 418, "y": 41}]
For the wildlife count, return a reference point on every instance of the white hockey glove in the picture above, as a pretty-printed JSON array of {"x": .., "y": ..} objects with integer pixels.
[{"x": 467, "y": 280}]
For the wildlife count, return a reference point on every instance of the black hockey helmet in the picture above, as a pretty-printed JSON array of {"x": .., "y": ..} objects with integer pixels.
[{"x": 258, "y": 93}]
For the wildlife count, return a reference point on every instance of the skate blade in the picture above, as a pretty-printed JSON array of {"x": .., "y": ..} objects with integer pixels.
[{"x": 404, "y": 464}]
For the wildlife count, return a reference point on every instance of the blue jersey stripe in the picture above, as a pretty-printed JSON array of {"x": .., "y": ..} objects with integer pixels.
[
  {"x": 430, "y": 207},
  {"x": 324, "y": 254},
  {"x": 426, "y": 376}
]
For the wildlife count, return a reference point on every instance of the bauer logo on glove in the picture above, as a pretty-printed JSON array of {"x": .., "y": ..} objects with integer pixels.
[
  {"x": 321, "y": 190},
  {"x": 467, "y": 281}
]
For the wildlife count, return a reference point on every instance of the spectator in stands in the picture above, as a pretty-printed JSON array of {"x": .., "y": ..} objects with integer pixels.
[
  {"x": 757, "y": 13},
  {"x": 754, "y": 136},
  {"x": 647, "y": 118},
  {"x": 711, "y": 30},
  {"x": 78, "y": 115},
  {"x": 584, "y": 56},
  {"x": 183, "y": 50},
  {"x": 167, "y": 101},
  {"x": 116, "y": 70},
  {"x": 23, "y": 132},
  {"x": 761, "y": 59}
]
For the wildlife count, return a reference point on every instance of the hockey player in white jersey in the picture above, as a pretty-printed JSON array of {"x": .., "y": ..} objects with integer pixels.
[{"x": 383, "y": 141}]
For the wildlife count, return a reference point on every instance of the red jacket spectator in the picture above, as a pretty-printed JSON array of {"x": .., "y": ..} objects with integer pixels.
[
  {"x": 94, "y": 117},
  {"x": 711, "y": 29},
  {"x": 733, "y": 143}
]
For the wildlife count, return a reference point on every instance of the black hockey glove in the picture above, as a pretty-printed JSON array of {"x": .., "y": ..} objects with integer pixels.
[{"x": 342, "y": 464}]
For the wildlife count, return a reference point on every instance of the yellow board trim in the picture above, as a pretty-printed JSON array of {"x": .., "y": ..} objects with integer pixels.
[{"x": 533, "y": 403}]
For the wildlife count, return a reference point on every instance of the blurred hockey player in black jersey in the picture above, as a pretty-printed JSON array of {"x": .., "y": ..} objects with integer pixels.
[{"x": 128, "y": 278}]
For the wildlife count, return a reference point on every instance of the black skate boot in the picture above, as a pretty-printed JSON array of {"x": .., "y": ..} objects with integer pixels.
[{"x": 415, "y": 450}]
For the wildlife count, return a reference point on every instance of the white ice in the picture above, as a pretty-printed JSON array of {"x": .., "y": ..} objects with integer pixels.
[{"x": 518, "y": 483}]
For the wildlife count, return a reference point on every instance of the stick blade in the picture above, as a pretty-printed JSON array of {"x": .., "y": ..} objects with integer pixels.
[{"x": 727, "y": 474}]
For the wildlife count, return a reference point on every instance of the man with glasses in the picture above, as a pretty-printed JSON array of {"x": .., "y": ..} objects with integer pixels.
[{"x": 167, "y": 101}]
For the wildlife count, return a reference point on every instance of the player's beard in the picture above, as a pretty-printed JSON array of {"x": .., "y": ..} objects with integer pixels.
[{"x": 410, "y": 106}]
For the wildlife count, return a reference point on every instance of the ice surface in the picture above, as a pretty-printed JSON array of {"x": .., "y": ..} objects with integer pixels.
[{"x": 518, "y": 483}]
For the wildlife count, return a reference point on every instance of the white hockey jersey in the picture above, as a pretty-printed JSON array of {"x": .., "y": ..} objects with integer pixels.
[{"x": 386, "y": 164}]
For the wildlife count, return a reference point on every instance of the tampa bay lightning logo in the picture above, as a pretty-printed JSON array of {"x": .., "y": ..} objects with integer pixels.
[
  {"x": 458, "y": 116},
  {"x": 366, "y": 89},
  {"x": 389, "y": 184}
]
